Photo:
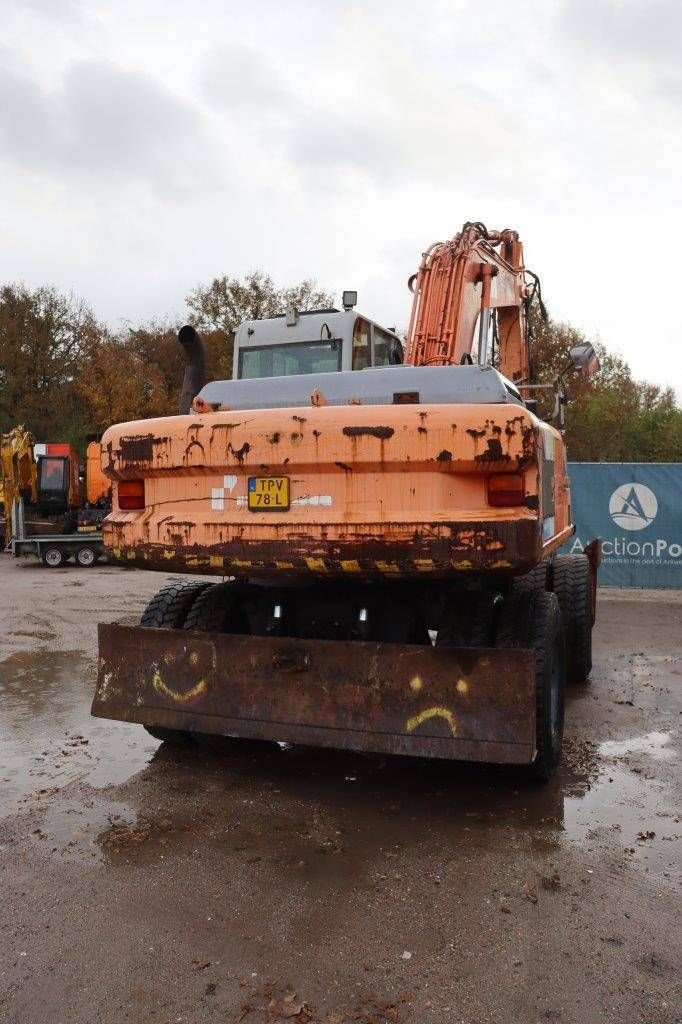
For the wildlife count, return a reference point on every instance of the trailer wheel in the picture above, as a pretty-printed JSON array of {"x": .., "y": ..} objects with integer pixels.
[
  {"x": 533, "y": 619},
  {"x": 536, "y": 579},
  {"x": 572, "y": 584},
  {"x": 169, "y": 607},
  {"x": 53, "y": 557},
  {"x": 86, "y": 557}
]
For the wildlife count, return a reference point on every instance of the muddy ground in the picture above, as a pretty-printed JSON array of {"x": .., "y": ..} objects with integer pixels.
[{"x": 236, "y": 885}]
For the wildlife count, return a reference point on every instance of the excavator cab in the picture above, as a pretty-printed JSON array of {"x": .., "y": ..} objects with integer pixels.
[
  {"x": 321, "y": 341},
  {"x": 53, "y": 484}
]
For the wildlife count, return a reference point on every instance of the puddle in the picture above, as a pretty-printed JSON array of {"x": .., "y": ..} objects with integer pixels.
[
  {"x": 655, "y": 744},
  {"x": 71, "y": 829},
  {"x": 48, "y": 738},
  {"x": 608, "y": 799},
  {"x": 633, "y": 812},
  {"x": 626, "y": 804}
]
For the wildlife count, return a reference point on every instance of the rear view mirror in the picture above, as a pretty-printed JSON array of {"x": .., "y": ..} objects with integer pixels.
[{"x": 584, "y": 359}]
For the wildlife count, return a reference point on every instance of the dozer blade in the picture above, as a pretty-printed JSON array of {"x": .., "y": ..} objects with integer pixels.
[{"x": 453, "y": 703}]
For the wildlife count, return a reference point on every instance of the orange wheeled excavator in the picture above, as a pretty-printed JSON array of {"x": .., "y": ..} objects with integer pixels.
[{"x": 385, "y": 525}]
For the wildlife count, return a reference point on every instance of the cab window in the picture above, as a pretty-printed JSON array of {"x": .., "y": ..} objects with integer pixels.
[
  {"x": 52, "y": 474},
  {"x": 382, "y": 347},
  {"x": 361, "y": 349},
  {"x": 292, "y": 358}
]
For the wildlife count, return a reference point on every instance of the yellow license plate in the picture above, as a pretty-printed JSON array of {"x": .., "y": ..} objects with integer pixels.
[{"x": 268, "y": 493}]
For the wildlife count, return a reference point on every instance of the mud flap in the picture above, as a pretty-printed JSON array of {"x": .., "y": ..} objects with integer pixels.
[
  {"x": 452, "y": 703},
  {"x": 593, "y": 552}
]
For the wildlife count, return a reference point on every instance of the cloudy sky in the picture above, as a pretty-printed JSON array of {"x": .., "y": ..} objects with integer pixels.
[{"x": 149, "y": 145}]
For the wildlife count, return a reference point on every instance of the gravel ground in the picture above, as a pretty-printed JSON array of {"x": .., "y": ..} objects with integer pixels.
[{"x": 265, "y": 885}]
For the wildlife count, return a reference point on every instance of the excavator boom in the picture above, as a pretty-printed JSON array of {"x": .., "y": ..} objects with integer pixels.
[{"x": 470, "y": 298}]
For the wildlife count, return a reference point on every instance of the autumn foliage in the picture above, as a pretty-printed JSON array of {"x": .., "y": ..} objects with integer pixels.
[
  {"x": 610, "y": 417},
  {"x": 66, "y": 376}
]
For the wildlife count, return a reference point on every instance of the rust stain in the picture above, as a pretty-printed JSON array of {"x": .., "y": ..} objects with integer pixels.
[
  {"x": 444, "y": 456},
  {"x": 139, "y": 449},
  {"x": 529, "y": 439},
  {"x": 439, "y": 550},
  {"x": 493, "y": 452},
  {"x": 110, "y": 457},
  {"x": 223, "y": 426},
  {"x": 382, "y": 433},
  {"x": 194, "y": 444},
  {"x": 239, "y": 453}
]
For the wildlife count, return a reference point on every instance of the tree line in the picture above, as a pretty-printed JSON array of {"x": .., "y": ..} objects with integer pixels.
[{"x": 67, "y": 377}]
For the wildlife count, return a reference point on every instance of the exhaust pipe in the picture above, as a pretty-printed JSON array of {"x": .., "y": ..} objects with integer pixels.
[{"x": 195, "y": 367}]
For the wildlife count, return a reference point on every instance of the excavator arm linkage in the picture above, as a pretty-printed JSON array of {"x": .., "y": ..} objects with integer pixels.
[{"x": 459, "y": 287}]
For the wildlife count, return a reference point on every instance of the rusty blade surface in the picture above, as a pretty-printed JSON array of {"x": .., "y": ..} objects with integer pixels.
[{"x": 453, "y": 703}]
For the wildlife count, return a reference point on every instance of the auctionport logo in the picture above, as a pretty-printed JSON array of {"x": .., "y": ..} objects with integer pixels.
[{"x": 633, "y": 506}]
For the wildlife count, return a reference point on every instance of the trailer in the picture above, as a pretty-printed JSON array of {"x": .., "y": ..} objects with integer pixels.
[{"x": 57, "y": 549}]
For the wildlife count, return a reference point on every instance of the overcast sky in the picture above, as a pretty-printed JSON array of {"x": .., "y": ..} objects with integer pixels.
[{"x": 147, "y": 146}]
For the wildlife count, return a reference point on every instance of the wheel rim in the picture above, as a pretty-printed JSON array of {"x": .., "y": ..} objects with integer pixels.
[
  {"x": 86, "y": 556},
  {"x": 53, "y": 557}
]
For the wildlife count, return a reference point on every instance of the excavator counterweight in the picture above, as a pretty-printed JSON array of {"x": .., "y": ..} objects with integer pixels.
[{"x": 384, "y": 533}]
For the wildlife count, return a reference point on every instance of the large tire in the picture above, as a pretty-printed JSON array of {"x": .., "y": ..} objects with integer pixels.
[
  {"x": 533, "y": 620},
  {"x": 217, "y": 610},
  {"x": 169, "y": 607},
  {"x": 468, "y": 621},
  {"x": 572, "y": 584},
  {"x": 168, "y": 610},
  {"x": 536, "y": 579}
]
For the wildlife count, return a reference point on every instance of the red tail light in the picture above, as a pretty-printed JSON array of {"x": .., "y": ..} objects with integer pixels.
[
  {"x": 131, "y": 495},
  {"x": 506, "y": 490}
]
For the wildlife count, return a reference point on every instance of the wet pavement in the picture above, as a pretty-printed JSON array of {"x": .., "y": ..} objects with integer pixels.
[{"x": 242, "y": 882}]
